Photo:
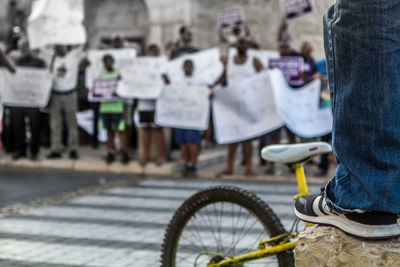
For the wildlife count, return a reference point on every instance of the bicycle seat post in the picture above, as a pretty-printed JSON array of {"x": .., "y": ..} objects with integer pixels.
[{"x": 301, "y": 179}]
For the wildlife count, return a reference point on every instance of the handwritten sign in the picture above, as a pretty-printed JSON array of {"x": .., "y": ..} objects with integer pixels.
[
  {"x": 296, "y": 8},
  {"x": 244, "y": 111},
  {"x": 231, "y": 17},
  {"x": 300, "y": 108},
  {"x": 28, "y": 87},
  {"x": 56, "y": 22},
  {"x": 291, "y": 67},
  {"x": 142, "y": 79},
  {"x": 183, "y": 106},
  {"x": 207, "y": 66},
  {"x": 85, "y": 120},
  {"x": 104, "y": 90},
  {"x": 122, "y": 58}
]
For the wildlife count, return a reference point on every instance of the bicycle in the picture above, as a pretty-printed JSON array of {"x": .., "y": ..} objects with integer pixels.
[{"x": 226, "y": 226}]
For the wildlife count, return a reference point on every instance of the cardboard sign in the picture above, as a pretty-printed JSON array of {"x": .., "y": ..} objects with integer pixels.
[
  {"x": 246, "y": 110},
  {"x": 122, "y": 58},
  {"x": 56, "y": 22},
  {"x": 300, "y": 108},
  {"x": 183, "y": 106},
  {"x": 231, "y": 17},
  {"x": 296, "y": 8},
  {"x": 142, "y": 79},
  {"x": 291, "y": 67},
  {"x": 28, "y": 87},
  {"x": 85, "y": 120},
  {"x": 104, "y": 90}
]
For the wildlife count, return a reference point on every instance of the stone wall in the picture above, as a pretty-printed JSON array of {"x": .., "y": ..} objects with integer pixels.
[
  {"x": 263, "y": 18},
  {"x": 159, "y": 20},
  {"x": 106, "y": 18}
]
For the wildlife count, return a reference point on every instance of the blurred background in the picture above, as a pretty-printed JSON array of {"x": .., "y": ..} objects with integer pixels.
[{"x": 143, "y": 22}]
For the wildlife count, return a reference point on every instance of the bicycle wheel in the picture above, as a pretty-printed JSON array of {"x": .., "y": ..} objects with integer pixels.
[{"x": 221, "y": 222}]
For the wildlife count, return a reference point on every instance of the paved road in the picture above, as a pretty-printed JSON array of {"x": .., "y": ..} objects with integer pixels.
[
  {"x": 24, "y": 185},
  {"x": 122, "y": 226}
]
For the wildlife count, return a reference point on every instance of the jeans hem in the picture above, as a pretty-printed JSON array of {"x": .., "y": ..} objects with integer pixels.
[{"x": 335, "y": 208}]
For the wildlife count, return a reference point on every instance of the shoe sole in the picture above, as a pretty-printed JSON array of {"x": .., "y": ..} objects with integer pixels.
[{"x": 353, "y": 228}]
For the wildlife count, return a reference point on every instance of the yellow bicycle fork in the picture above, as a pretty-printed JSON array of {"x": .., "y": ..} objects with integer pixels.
[{"x": 277, "y": 244}]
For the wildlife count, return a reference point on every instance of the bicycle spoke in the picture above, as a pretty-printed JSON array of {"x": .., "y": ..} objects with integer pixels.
[{"x": 221, "y": 228}]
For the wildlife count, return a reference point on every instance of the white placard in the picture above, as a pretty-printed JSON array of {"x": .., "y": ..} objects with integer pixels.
[
  {"x": 300, "y": 108},
  {"x": 85, "y": 120},
  {"x": 183, "y": 106},
  {"x": 142, "y": 79},
  {"x": 104, "y": 90},
  {"x": 264, "y": 56},
  {"x": 122, "y": 58},
  {"x": 231, "y": 17},
  {"x": 296, "y": 8},
  {"x": 207, "y": 66},
  {"x": 56, "y": 22},
  {"x": 245, "y": 111},
  {"x": 28, "y": 87}
]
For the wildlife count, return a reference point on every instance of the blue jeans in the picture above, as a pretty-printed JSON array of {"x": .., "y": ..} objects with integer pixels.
[{"x": 362, "y": 45}]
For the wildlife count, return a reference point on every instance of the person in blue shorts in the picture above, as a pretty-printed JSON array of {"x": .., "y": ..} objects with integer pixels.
[{"x": 188, "y": 139}]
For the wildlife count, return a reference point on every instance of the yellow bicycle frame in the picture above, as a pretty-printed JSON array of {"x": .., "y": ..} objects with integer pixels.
[{"x": 281, "y": 246}]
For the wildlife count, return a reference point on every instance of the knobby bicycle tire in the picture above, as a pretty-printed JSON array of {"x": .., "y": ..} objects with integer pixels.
[{"x": 207, "y": 201}]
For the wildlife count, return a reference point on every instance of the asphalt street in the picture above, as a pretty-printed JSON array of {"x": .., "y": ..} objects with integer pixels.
[{"x": 122, "y": 225}]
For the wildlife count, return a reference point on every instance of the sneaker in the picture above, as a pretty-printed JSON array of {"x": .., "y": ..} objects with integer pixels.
[
  {"x": 192, "y": 171},
  {"x": 73, "y": 154},
  {"x": 373, "y": 225},
  {"x": 125, "y": 158},
  {"x": 110, "y": 158},
  {"x": 54, "y": 155},
  {"x": 186, "y": 170}
]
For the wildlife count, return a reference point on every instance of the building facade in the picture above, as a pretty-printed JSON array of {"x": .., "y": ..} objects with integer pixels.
[{"x": 158, "y": 21}]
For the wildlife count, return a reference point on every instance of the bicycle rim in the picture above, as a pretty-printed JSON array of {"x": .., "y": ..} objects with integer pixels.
[{"x": 220, "y": 223}]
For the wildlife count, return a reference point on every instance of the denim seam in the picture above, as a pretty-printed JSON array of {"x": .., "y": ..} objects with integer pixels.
[
  {"x": 337, "y": 209},
  {"x": 332, "y": 54}
]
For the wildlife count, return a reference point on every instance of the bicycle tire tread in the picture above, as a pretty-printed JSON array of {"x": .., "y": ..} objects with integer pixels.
[{"x": 227, "y": 193}]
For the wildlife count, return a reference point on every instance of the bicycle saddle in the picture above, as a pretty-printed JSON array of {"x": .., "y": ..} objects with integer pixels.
[{"x": 295, "y": 153}]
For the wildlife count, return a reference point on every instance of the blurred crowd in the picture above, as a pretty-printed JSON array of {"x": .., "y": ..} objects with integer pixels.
[{"x": 26, "y": 129}]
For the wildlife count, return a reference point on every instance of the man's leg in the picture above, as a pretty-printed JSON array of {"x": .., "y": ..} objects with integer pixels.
[
  {"x": 55, "y": 125},
  {"x": 362, "y": 40},
  {"x": 71, "y": 107},
  {"x": 230, "y": 160},
  {"x": 18, "y": 128},
  {"x": 34, "y": 124},
  {"x": 247, "y": 149}
]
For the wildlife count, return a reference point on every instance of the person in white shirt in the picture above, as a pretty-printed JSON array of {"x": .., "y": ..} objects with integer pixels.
[
  {"x": 240, "y": 67},
  {"x": 64, "y": 68},
  {"x": 146, "y": 110}
]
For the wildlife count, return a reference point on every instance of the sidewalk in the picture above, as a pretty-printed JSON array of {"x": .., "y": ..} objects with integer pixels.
[
  {"x": 211, "y": 161},
  {"x": 93, "y": 160}
]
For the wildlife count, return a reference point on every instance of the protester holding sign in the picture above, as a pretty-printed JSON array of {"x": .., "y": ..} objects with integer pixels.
[
  {"x": 65, "y": 69},
  {"x": 20, "y": 113},
  {"x": 146, "y": 109},
  {"x": 112, "y": 112},
  {"x": 239, "y": 68},
  {"x": 188, "y": 139},
  {"x": 4, "y": 62}
]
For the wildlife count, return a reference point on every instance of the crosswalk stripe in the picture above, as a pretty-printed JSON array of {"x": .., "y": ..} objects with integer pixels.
[{"x": 127, "y": 221}]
